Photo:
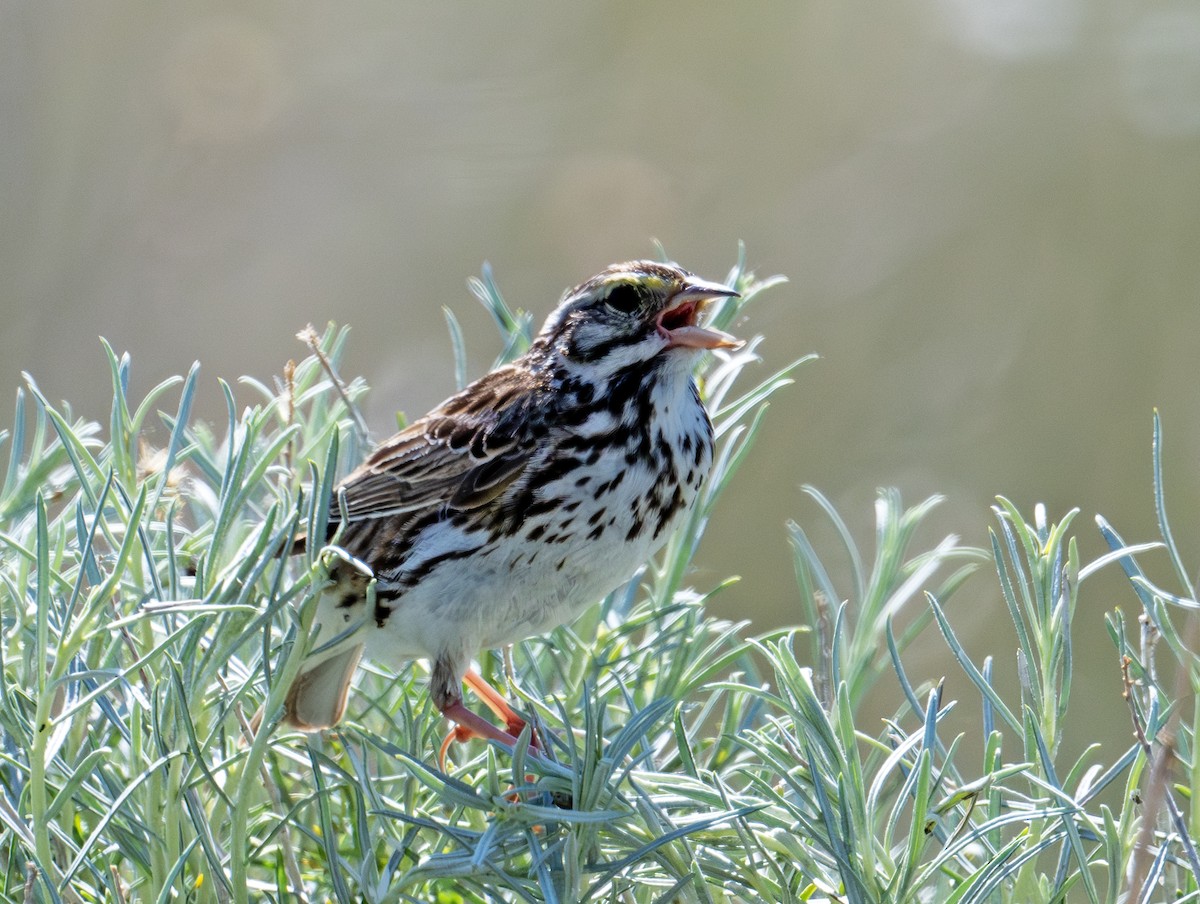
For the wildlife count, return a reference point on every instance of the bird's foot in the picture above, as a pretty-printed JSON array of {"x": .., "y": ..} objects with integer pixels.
[
  {"x": 496, "y": 703},
  {"x": 472, "y": 725}
]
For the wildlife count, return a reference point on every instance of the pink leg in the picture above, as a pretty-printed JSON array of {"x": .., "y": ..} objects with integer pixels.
[
  {"x": 492, "y": 700},
  {"x": 472, "y": 725}
]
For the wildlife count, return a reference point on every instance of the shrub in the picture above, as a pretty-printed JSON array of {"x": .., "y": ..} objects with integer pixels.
[{"x": 148, "y": 612}]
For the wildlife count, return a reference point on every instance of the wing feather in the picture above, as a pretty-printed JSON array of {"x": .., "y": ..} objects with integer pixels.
[{"x": 463, "y": 454}]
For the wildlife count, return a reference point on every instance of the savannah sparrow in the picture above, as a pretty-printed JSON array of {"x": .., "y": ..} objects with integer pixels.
[{"x": 523, "y": 499}]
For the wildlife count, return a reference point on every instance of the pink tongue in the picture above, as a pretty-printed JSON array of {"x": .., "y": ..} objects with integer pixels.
[{"x": 699, "y": 337}]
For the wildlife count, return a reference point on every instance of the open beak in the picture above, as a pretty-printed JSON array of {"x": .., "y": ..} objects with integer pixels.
[{"x": 678, "y": 322}]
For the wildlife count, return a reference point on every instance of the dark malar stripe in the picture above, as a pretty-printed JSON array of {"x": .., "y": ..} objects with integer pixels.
[{"x": 601, "y": 351}]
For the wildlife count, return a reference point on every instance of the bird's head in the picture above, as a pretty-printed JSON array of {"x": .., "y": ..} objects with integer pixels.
[{"x": 634, "y": 312}]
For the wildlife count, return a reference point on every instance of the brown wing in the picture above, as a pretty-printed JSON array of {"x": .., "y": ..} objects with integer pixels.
[{"x": 463, "y": 454}]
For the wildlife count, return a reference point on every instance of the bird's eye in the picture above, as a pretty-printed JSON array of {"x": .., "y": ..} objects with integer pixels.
[{"x": 624, "y": 298}]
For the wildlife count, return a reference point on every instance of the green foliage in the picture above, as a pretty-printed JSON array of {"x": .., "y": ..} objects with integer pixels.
[{"x": 149, "y": 627}]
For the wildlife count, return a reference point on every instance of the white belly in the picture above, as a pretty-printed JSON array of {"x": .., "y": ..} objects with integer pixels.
[{"x": 518, "y": 587}]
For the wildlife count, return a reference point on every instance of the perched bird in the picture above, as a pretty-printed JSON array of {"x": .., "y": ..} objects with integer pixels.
[{"x": 523, "y": 499}]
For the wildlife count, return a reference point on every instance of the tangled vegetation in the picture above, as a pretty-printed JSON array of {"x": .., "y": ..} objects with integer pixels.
[{"x": 146, "y": 616}]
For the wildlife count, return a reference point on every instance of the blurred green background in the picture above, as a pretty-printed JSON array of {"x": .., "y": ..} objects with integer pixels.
[{"x": 989, "y": 211}]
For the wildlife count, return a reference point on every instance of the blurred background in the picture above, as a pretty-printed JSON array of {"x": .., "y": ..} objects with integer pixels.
[{"x": 988, "y": 210}]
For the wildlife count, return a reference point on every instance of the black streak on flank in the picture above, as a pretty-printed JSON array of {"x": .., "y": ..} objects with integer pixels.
[
  {"x": 555, "y": 469},
  {"x": 422, "y": 570},
  {"x": 668, "y": 511},
  {"x": 635, "y": 529},
  {"x": 382, "y": 611}
]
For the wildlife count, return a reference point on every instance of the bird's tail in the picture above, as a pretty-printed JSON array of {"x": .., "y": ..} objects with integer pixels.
[{"x": 317, "y": 698}]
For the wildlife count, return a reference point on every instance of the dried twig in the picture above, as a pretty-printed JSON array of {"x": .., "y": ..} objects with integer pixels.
[
  {"x": 289, "y": 379},
  {"x": 312, "y": 339},
  {"x": 1157, "y": 793},
  {"x": 31, "y": 874},
  {"x": 118, "y": 885}
]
